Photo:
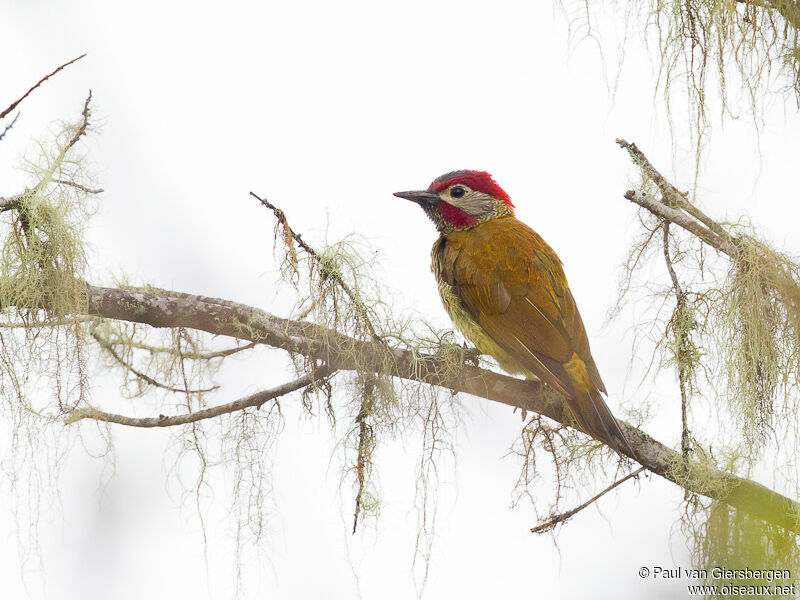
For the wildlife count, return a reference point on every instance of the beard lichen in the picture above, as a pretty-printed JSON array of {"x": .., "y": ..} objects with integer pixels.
[
  {"x": 760, "y": 339},
  {"x": 43, "y": 349},
  {"x": 337, "y": 289}
]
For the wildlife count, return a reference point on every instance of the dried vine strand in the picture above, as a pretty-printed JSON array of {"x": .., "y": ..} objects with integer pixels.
[{"x": 682, "y": 345}]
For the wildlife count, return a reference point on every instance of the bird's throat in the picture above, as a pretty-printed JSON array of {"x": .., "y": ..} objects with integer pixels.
[{"x": 455, "y": 216}]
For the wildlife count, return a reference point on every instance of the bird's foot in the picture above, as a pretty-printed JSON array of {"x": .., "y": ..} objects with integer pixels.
[
  {"x": 470, "y": 355},
  {"x": 465, "y": 354}
]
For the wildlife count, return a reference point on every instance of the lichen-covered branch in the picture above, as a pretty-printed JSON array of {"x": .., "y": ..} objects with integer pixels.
[
  {"x": 341, "y": 352},
  {"x": 674, "y": 206}
]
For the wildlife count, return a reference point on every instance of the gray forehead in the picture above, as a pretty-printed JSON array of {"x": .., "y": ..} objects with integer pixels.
[{"x": 451, "y": 174}]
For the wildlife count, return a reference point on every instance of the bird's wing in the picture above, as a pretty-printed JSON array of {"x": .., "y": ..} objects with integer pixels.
[{"x": 512, "y": 284}]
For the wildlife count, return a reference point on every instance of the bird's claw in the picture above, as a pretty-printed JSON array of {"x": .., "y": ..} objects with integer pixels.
[{"x": 470, "y": 355}]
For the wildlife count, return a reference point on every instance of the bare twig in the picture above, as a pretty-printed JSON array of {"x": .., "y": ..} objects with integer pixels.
[
  {"x": 565, "y": 516},
  {"x": 106, "y": 345},
  {"x": 80, "y": 187},
  {"x": 254, "y": 400},
  {"x": 17, "y": 202},
  {"x": 38, "y": 83},
  {"x": 673, "y": 202},
  {"x": 8, "y": 127},
  {"x": 224, "y": 353},
  {"x": 82, "y": 128},
  {"x": 668, "y": 259}
]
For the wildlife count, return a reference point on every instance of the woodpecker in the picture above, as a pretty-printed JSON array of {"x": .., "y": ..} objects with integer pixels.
[{"x": 504, "y": 288}]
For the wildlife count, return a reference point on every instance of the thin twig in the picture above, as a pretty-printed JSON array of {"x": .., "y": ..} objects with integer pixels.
[
  {"x": 106, "y": 345},
  {"x": 82, "y": 188},
  {"x": 224, "y": 353},
  {"x": 563, "y": 517},
  {"x": 40, "y": 82},
  {"x": 668, "y": 259},
  {"x": 255, "y": 400},
  {"x": 82, "y": 129},
  {"x": 9, "y": 126}
]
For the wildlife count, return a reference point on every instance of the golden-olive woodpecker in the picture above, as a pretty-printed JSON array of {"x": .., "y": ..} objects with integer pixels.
[{"x": 505, "y": 290}]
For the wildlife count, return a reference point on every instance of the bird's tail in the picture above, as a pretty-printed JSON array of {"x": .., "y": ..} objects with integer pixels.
[{"x": 593, "y": 416}]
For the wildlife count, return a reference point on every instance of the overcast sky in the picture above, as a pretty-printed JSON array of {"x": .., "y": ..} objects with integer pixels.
[{"x": 327, "y": 108}]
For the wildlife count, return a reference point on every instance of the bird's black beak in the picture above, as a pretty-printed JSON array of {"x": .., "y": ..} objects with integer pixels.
[{"x": 422, "y": 197}]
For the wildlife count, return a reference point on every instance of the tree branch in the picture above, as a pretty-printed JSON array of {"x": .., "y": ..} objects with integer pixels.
[
  {"x": 81, "y": 131},
  {"x": 338, "y": 351},
  {"x": 15, "y": 202}
]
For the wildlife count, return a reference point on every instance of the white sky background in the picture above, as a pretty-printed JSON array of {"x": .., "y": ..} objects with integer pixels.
[{"x": 326, "y": 109}]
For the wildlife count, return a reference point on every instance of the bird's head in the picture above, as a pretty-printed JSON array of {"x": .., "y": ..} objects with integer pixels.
[{"x": 462, "y": 199}]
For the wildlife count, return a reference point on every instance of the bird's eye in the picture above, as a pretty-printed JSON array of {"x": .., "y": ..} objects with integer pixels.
[{"x": 457, "y": 192}]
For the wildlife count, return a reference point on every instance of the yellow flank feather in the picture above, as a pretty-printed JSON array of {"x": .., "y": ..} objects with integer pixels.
[{"x": 576, "y": 369}]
